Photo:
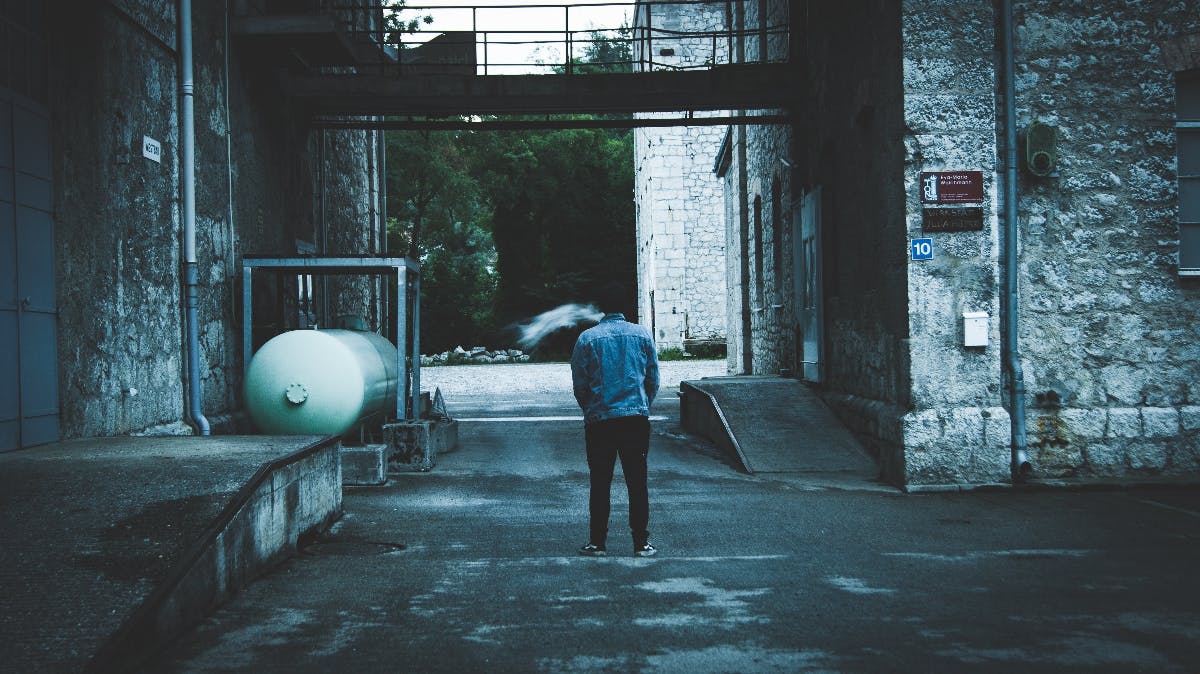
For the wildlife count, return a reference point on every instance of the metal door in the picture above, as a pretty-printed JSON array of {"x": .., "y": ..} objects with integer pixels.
[
  {"x": 29, "y": 413},
  {"x": 806, "y": 253}
]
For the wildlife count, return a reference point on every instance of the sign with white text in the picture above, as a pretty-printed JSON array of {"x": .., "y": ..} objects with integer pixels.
[
  {"x": 952, "y": 187},
  {"x": 922, "y": 249},
  {"x": 152, "y": 149}
]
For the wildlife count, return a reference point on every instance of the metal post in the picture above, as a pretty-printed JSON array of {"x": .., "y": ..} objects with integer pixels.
[
  {"x": 401, "y": 340},
  {"x": 649, "y": 55},
  {"x": 567, "y": 35},
  {"x": 416, "y": 346},
  {"x": 475, "y": 35},
  {"x": 247, "y": 314}
]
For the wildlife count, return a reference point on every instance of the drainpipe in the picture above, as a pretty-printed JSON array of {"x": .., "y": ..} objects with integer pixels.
[
  {"x": 188, "y": 158},
  {"x": 1012, "y": 355}
]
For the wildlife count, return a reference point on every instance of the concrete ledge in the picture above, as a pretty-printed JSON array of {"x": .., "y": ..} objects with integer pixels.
[
  {"x": 364, "y": 466},
  {"x": 700, "y": 414},
  {"x": 285, "y": 500},
  {"x": 1082, "y": 485}
]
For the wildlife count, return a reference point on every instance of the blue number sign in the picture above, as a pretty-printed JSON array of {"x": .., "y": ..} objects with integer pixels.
[{"x": 922, "y": 249}]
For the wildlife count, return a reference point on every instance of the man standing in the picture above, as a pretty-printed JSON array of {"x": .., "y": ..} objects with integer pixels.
[{"x": 614, "y": 369}]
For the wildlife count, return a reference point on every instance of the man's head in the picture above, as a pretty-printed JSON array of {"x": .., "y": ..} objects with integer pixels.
[{"x": 611, "y": 297}]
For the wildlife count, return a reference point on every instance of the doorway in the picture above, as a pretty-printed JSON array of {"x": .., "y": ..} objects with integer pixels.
[{"x": 29, "y": 413}]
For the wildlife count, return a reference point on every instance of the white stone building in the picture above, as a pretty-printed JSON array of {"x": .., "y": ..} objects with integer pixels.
[{"x": 680, "y": 227}]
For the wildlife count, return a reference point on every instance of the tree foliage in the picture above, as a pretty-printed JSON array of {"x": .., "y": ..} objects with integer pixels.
[
  {"x": 438, "y": 215},
  {"x": 509, "y": 224}
]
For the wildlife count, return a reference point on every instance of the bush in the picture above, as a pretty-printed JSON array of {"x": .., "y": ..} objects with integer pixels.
[{"x": 707, "y": 350}]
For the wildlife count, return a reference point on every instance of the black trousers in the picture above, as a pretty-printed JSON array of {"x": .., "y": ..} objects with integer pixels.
[{"x": 629, "y": 439}]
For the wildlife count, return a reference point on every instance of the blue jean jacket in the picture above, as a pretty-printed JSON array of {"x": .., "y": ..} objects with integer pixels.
[{"x": 614, "y": 370}]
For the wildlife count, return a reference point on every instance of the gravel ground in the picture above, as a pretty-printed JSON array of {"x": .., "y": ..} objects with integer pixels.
[{"x": 517, "y": 378}]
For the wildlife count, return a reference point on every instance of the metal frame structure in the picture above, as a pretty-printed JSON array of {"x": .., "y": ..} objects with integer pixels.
[{"x": 399, "y": 266}]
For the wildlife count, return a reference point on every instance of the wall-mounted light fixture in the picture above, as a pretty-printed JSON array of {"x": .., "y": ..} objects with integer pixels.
[{"x": 1041, "y": 151}]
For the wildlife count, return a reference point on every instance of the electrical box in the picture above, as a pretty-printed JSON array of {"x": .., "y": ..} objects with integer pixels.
[{"x": 975, "y": 328}]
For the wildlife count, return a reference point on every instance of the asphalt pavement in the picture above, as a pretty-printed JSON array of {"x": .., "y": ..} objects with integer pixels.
[{"x": 472, "y": 567}]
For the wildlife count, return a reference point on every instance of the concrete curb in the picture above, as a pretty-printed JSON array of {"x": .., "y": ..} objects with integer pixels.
[
  {"x": 701, "y": 414},
  {"x": 285, "y": 500},
  {"x": 1148, "y": 484}
]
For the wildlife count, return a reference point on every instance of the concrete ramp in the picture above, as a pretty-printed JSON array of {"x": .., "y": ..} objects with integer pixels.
[
  {"x": 773, "y": 425},
  {"x": 112, "y": 547}
]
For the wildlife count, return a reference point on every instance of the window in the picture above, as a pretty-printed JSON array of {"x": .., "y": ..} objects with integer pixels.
[{"x": 1187, "y": 127}]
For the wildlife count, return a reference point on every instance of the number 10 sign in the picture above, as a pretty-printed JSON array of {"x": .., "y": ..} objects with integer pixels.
[{"x": 922, "y": 249}]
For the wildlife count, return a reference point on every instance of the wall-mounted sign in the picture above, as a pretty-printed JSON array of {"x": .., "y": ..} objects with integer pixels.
[
  {"x": 969, "y": 219},
  {"x": 951, "y": 187},
  {"x": 152, "y": 149},
  {"x": 922, "y": 249}
]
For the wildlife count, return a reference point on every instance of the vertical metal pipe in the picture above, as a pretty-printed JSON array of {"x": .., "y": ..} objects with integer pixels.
[
  {"x": 416, "y": 345},
  {"x": 190, "y": 274},
  {"x": 247, "y": 317},
  {"x": 401, "y": 341},
  {"x": 1012, "y": 355},
  {"x": 649, "y": 55}
]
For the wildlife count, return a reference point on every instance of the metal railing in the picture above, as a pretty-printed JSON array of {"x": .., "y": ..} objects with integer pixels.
[{"x": 569, "y": 38}]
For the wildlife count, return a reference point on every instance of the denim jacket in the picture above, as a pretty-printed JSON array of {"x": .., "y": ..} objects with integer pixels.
[{"x": 614, "y": 369}]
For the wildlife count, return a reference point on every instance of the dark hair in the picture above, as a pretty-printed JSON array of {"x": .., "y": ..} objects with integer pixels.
[{"x": 611, "y": 297}]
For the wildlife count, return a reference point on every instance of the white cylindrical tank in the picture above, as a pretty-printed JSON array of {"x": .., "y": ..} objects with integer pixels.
[{"x": 320, "y": 382}]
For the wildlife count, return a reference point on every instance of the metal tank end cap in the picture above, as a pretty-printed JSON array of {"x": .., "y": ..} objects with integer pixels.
[{"x": 296, "y": 393}]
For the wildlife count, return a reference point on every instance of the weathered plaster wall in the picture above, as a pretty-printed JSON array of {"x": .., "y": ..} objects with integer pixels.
[
  {"x": 1109, "y": 335},
  {"x": 118, "y": 215}
]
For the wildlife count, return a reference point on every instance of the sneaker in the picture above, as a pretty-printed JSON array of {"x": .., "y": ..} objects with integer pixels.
[
  {"x": 644, "y": 550},
  {"x": 591, "y": 550}
]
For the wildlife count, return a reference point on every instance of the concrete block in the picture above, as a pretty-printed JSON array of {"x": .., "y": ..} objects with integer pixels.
[
  {"x": 1124, "y": 422},
  {"x": 364, "y": 465},
  {"x": 1185, "y": 456},
  {"x": 1104, "y": 459},
  {"x": 922, "y": 429},
  {"x": 1160, "y": 422},
  {"x": 1147, "y": 455},
  {"x": 997, "y": 427},
  {"x": 964, "y": 426},
  {"x": 1085, "y": 423},
  {"x": 415, "y": 444},
  {"x": 1189, "y": 417}
]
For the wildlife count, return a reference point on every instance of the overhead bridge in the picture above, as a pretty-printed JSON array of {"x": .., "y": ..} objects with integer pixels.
[
  {"x": 363, "y": 68},
  {"x": 758, "y": 86}
]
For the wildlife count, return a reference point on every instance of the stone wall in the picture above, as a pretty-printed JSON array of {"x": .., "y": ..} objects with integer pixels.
[
  {"x": 957, "y": 429},
  {"x": 680, "y": 234},
  {"x": 118, "y": 219},
  {"x": 759, "y": 218},
  {"x": 679, "y": 204},
  {"x": 1108, "y": 329}
]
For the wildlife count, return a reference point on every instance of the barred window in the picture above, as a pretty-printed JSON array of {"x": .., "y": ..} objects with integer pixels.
[{"x": 1187, "y": 127}]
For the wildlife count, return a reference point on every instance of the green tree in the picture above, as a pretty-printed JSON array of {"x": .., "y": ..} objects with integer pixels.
[
  {"x": 509, "y": 224},
  {"x": 439, "y": 217},
  {"x": 562, "y": 214}
]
